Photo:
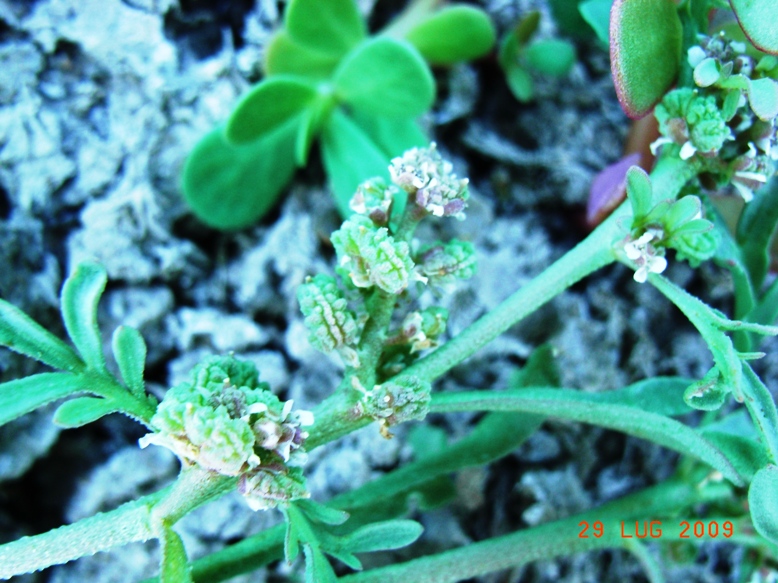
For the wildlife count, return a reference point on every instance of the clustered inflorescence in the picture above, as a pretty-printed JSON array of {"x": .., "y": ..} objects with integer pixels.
[
  {"x": 728, "y": 119},
  {"x": 226, "y": 421}
]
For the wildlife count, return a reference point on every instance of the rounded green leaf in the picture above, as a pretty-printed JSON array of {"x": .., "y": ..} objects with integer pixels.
[
  {"x": 268, "y": 106},
  {"x": 645, "y": 47},
  {"x": 453, "y": 34},
  {"x": 328, "y": 26},
  {"x": 385, "y": 76},
  {"x": 639, "y": 192},
  {"x": 520, "y": 83},
  {"x": 552, "y": 56},
  {"x": 350, "y": 157},
  {"x": 763, "y": 98},
  {"x": 758, "y": 20},
  {"x": 83, "y": 410},
  {"x": 283, "y": 56},
  {"x": 763, "y": 502},
  {"x": 231, "y": 187}
]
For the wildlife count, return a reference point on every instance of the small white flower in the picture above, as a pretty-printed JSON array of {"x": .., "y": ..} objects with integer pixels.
[
  {"x": 645, "y": 256},
  {"x": 695, "y": 55}
]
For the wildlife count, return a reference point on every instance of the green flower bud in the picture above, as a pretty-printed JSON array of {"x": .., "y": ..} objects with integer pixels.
[
  {"x": 422, "y": 329},
  {"x": 696, "y": 247},
  {"x": 331, "y": 324},
  {"x": 370, "y": 256},
  {"x": 444, "y": 263},
  {"x": 709, "y": 130},
  {"x": 267, "y": 488}
]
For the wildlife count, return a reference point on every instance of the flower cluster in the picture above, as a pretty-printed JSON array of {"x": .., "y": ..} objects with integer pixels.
[
  {"x": 429, "y": 179},
  {"x": 728, "y": 119},
  {"x": 647, "y": 257},
  {"x": 373, "y": 199},
  {"x": 224, "y": 420},
  {"x": 394, "y": 402},
  {"x": 443, "y": 263}
]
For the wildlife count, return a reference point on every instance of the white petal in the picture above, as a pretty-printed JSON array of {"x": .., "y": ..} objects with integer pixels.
[
  {"x": 657, "y": 264},
  {"x": 687, "y": 151},
  {"x": 305, "y": 418},
  {"x": 641, "y": 275}
]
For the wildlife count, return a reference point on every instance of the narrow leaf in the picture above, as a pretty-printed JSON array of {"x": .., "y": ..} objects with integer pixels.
[
  {"x": 80, "y": 295},
  {"x": 568, "y": 404},
  {"x": 83, "y": 410},
  {"x": 283, "y": 56},
  {"x": 175, "y": 567},
  {"x": 321, "y": 513},
  {"x": 332, "y": 27},
  {"x": 520, "y": 83},
  {"x": 317, "y": 567},
  {"x": 231, "y": 187},
  {"x": 382, "y": 536},
  {"x": 24, "y": 335},
  {"x": 639, "y": 192},
  {"x": 268, "y": 106},
  {"x": 129, "y": 349},
  {"x": 645, "y": 47},
  {"x": 350, "y": 157},
  {"x": 21, "y": 396},
  {"x": 453, "y": 34},
  {"x": 757, "y": 19},
  {"x": 385, "y": 76}
]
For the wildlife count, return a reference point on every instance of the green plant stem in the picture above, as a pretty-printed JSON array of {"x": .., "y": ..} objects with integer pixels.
[
  {"x": 546, "y": 541},
  {"x": 140, "y": 409},
  {"x": 594, "y": 252}
]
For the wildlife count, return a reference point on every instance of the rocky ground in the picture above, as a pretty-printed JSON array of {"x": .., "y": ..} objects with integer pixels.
[{"x": 100, "y": 103}]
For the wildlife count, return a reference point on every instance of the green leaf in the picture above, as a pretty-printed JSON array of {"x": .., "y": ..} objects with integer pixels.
[
  {"x": 175, "y": 567},
  {"x": 317, "y": 567},
  {"x": 283, "y": 56},
  {"x": 639, "y": 193},
  {"x": 552, "y": 57},
  {"x": 568, "y": 18},
  {"x": 392, "y": 135},
  {"x": 757, "y": 18},
  {"x": 268, "y": 106},
  {"x": 597, "y": 14},
  {"x": 569, "y": 404},
  {"x": 382, "y": 536},
  {"x": 763, "y": 98},
  {"x": 384, "y": 76},
  {"x": 321, "y": 513},
  {"x": 426, "y": 440},
  {"x": 82, "y": 410},
  {"x": 707, "y": 394},
  {"x": 525, "y": 28},
  {"x": 540, "y": 370},
  {"x": 745, "y": 454},
  {"x": 231, "y": 187},
  {"x": 19, "y": 397},
  {"x": 24, "y": 335},
  {"x": 313, "y": 118},
  {"x": 728, "y": 256},
  {"x": 453, "y": 34},
  {"x": 659, "y": 395},
  {"x": 80, "y": 295},
  {"x": 350, "y": 157},
  {"x": 755, "y": 230},
  {"x": 706, "y": 73},
  {"x": 129, "y": 350},
  {"x": 763, "y": 502},
  {"x": 520, "y": 83},
  {"x": 645, "y": 46},
  {"x": 332, "y": 27}
]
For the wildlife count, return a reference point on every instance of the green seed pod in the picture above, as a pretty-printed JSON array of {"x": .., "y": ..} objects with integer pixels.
[
  {"x": 265, "y": 488},
  {"x": 396, "y": 402},
  {"x": 444, "y": 263}
]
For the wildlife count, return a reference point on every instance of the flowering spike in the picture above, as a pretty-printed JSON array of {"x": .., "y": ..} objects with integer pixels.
[{"x": 331, "y": 324}]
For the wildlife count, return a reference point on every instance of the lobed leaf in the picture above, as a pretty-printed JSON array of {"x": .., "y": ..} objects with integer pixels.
[
  {"x": 83, "y": 410},
  {"x": 80, "y": 296},
  {"x": 129, "y": 349},
  {"x": 268, "y": 106},
  {"x": 24, "y": 335},
  {"x": 757, "y": 18},
  {"x": 283, "y": 56},
  {"x": 384, "y": 76},
  {"x": 350, "y": 157},
  {"x": 231, "y": 187},
  {"x": 21, "y": 396},
  {"x": 645, "y": 47},
  {"x": 332, "y": 27},
  {"x": 453, "y": 34}
]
